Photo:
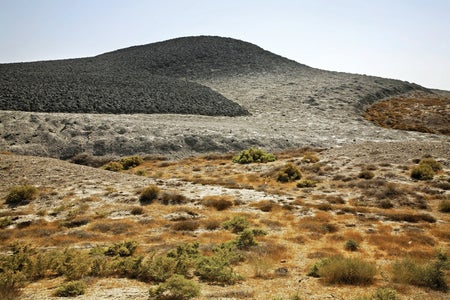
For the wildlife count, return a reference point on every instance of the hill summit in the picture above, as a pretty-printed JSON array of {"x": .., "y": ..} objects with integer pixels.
[{"x": 153, "y": 78}]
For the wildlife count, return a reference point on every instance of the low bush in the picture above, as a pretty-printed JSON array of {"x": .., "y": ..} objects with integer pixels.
[
  {"x": 173, "y": 198},
  {"x": 157, "y": 268},
  {"x": 218, "y": 202},
  {"x": 113, "y": 166},
  {"x": 382, "y": 293},
  {"x": 137, "y": 210},
  {"x": 122, "y": 249},
  {"x": 187, "y": 225},
  {"x": 422, "y": 172},
  {"x": 71, "y": 289},
  {"x": 435, "y": 165},
  {"x": 430, "y": 274},
  {"x": 289, "y": 173},
  {"x": 149, "y": 194},
  {"x": 366, "y": 174},
  {"x": 310, "y": 158},
  {"x": 5, "y": 222},
  {"x": 306, "y": 183},
  {"x": 11, "y": 284},
  {"x": 141, "y": 172},
  {"x": 246, "y": 238},
  {"x": 253, "y": 155},
  {"x": 346, "y": 270},
  {"x": 175, "y": 288},
  {"x": 131, "y": 162},
  {"x": 444, "y": 206},
  {"x": 351, "y": 245},
  {"x": 217, "y": 269},
  {"x": 237, "y": 224},
  {"x": 21, "y": 195}
]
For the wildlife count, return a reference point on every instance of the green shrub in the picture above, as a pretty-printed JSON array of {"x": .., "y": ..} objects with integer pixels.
[
  {"x": 74, "y": 264},
  {"x": 173, "y": 198},
  {"x": 157, "y": 268},
  {"x": 113, "y": 166},
  {"x": 435, "y": 165},
  {"x": 71, "y": 289},
  {"x": 246, "y": 238},
  {"x": 131, "y": 162},
  {"x": 149, "y": 194},
  {"x": 429, "y": 274},
  {"x": 306, "y": 183},
  {"x": 444, "y": 206},
  {"x": 175, "y": 288},
  {"x": 289, "y": 173},
  {"x": 22, "y": 195},
  {"x": 351, "y": 245},
  {"x": 216, "y": 269},
  {"x": 253, "y": 155},
  {"x": 422, "y": 172},
  {"x": 186, "y": 256},
  {"x": 122, "y": 249},
  {"x": 236, "y": 224},
  {"x": 342, "y": 270}
]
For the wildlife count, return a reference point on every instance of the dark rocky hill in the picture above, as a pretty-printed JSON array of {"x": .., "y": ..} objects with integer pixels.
[{"x": 154, "y": 78}]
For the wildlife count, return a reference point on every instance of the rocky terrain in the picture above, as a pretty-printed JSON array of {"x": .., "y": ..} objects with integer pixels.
[{"x": 186, "y": 107}]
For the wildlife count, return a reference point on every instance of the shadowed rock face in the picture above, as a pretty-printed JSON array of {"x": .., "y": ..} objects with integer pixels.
[{"x": 181, "y": 93}]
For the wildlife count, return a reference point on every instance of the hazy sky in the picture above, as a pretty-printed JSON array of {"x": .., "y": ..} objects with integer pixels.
[{"x": 403, "y": 39}]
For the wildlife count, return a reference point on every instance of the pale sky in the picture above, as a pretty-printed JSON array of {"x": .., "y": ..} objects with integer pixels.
[{"x": 402, "y": 39}]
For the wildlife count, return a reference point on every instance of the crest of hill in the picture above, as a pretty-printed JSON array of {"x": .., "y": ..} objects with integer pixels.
[
  {"x": 153, "y": 78},
  {"x": 199, "y": 57}
]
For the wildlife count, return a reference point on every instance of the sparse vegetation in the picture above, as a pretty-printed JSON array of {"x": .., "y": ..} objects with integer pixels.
[
  {"x": 253, "y": 155},
  {"x": 306, "y": 183},
  {"x": 113, "y": 166},
  {"x": 21, "y": 195},
  {"x": 218, "y": 202},
  {"x": 351, "y": 245},
  {"x": 366, "y": 174},
  {"x": 435, "y": 165},
  {"x": 237, "y": 224},
  {"x": 131, "y": 162}
]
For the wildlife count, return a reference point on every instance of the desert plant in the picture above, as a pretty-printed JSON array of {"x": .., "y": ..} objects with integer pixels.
[
  {"x": 113, "y": 166},
  {"x": 310, "y": 158},
  {"x": 422, "y": 172},
  {"x": 435, "y": 165},
  {"x": 385, "y": 293},
  {"x": 289, "y": 173},
  {"x": 253, "y": 155},
  {"x": 71, "y": 289},
  {"x": 246, "y": 238},
  {"x": 137, "y": 210},
  {"x": 236, "y": 224},
  {"x": 126, "y": 248},
  {"x": 306, "y": 183},
  {"x": 74, "y": 264},
  {"x": 175, "y": 288},
  {"x": 186, "y": 255},
  {"x": 157, "y": 268},
  {"x": 430, "y": 274},
  {"x": 149, "y": 194},
  {"x": 186, "y": 225},
  {"x": 216, "y": 269},
  {"x": 218, "y": 202},
  {"x": 366, "y": 174},
  {"x": 346, "y": 270},
  {"x": 21, "y": 195},
  {"x": 351, "y": 245},
  {"x": 444, "y": 206},
  {"x": 5, "y": 222},
  {"x": 141, "y": 172},
  {"x": 173, "y": 198},
  {"x": 131, "y": 162},
  {"x": 11, "y": 284}
]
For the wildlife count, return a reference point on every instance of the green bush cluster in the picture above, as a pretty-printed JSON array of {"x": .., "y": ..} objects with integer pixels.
[
  {"x": 113, "y": 166},
  {"x": 351, "y": 245},
  {"x": 306, "y": 183},
  {"x": 122, "y": 249},
  {"x": 435, "y": 165},
  {"x": 236, "y": 224},
  {"x": 253, "y": 155},
  {"x": 422, "y": 172},
  {"x": 289, "y": 173},
  {"x": 21, "y": 195}
]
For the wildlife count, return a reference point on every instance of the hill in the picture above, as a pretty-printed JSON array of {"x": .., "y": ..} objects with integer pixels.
[{"x": 275, "y": 102}]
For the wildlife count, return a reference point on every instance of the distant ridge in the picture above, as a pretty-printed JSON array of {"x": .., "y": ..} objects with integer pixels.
[{"x": 153, "y": 78}]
